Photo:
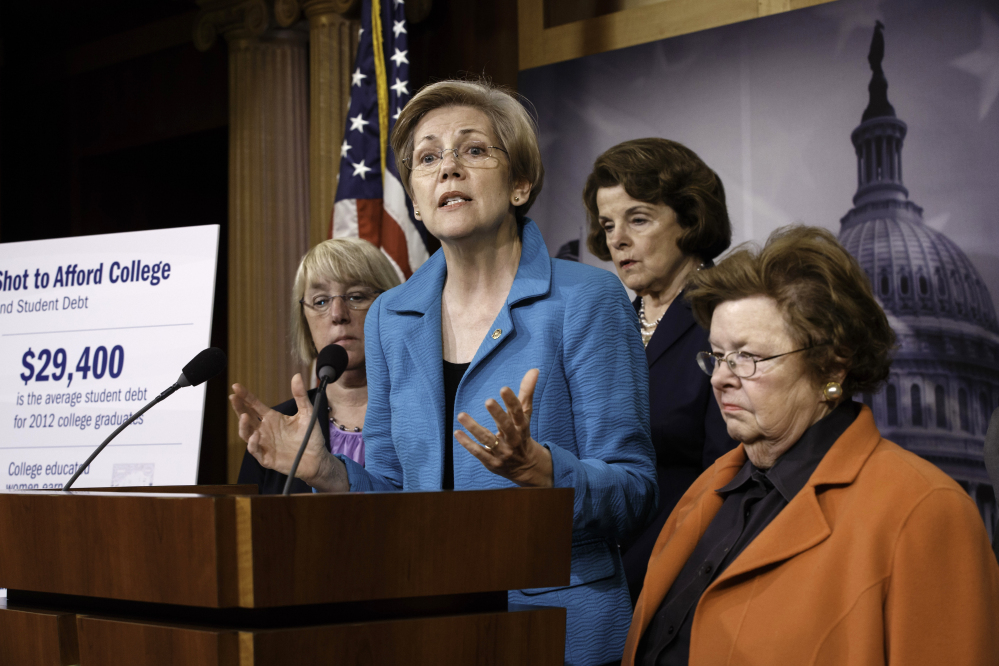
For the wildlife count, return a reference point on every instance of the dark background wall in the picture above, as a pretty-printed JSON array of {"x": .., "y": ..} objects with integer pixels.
[{"x": 111, "y": 121}]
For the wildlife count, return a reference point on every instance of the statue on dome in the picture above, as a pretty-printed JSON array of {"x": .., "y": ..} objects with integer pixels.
[{"x": 879, "y": 105}]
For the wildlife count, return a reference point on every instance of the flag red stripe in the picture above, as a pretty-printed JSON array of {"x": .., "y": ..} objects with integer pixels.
[
  {"x": 374, "y": 224},
  {"x": 394, "y": 242},
  {"x": 369, "y": 220}
]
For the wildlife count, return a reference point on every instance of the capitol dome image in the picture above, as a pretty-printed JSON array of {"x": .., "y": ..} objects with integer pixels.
[{"x": 944, "y": 382}]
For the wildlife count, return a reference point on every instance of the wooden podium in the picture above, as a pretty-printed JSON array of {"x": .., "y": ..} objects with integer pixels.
[{"x": 232, "y": 578}]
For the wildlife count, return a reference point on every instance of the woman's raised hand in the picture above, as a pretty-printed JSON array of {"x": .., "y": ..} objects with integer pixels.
[
  {"x": 510, "y": 452},
  {"x": 273, "y": 438}
]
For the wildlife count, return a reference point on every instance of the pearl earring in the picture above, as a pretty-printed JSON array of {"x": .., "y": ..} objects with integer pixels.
[{"x": 832, "y": 391}]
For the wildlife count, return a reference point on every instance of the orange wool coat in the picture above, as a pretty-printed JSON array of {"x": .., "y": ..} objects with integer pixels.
[{"x": 880, "y": 559}]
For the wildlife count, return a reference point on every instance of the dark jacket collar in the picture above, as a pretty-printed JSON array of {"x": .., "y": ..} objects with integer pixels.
[{"x": 676, "y": 321}]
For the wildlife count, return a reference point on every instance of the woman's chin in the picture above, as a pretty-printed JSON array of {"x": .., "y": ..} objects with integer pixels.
[
  {"x": 740, "y": 431},
  {"x": 636, "y": 283}
]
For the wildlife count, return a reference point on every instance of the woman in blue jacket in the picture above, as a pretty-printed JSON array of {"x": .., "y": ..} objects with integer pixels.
[{"x": 491, "y": 309}]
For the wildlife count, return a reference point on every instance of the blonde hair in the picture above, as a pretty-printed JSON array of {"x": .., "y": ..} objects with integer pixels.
[
  {"x": 515, "y": 128},
  {"x": 349, "y": 261}
]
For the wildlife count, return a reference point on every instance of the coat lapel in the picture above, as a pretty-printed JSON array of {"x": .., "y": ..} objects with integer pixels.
[
  {"x": 533, "y": 279},
  {"x": 677, "y": 541},
  {"x": 423, "y": 340},
  {"x": 417, "y": 307},
  {"x": 417, "y": 304},
  {"x": 799, "y": 527},
  {"x": 677, "y": 320},
  {"x": 802, "y": 524}
]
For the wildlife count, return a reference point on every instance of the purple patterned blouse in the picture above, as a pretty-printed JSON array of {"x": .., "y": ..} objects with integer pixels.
[{"x": 350, "y": 444}]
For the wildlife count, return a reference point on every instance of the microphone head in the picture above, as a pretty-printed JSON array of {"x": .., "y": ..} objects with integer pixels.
[
  {"x": 331, "y": 362},
  {"x": 203, "y": 367}
]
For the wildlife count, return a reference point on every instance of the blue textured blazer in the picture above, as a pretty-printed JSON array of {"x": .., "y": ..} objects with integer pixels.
[{"x": 591, "y": 410}]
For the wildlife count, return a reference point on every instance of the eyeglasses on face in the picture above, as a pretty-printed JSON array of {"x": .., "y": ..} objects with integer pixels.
[
  {"x": 471, "y": 154},
  {"x": 355, "y": 299},
  {"x": 741, "y": 364}
]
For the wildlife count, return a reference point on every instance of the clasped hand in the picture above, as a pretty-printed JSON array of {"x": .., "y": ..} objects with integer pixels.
[{"x": 510, "y": 452}]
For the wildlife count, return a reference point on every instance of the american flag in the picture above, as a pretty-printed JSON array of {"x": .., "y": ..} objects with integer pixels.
[{"x": 370, "y": 200}]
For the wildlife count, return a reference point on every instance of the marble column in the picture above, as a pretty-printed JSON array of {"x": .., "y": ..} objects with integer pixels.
[
  {"x": 268, "y": 192},
  {"x": 332, "y": 48}
]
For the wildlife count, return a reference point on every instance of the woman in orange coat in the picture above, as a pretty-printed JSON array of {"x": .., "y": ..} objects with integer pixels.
[{"x": 815, "y": 541}]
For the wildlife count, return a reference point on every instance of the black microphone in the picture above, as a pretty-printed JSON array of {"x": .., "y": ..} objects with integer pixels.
[
  {"x": 200, "y": 369},
  {"x": 330, "y": 364}
]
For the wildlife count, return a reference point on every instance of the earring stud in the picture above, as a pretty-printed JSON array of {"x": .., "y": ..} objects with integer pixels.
[{"x": 832, "y": 391}]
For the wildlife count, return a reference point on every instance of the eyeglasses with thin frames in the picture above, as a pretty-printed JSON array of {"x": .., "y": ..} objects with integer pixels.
[
  {"x": 472, "y": 154},
  {"x": 741, "y": 364},
  {"x": 357, "y": 299}
]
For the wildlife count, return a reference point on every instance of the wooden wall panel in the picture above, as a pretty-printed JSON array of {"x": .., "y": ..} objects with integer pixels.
[
  {"x": 141, "y": 547},
  {"x": 461, "y": 38},
  {"x": 266, "y": 552},
  {"x": 107, "y": 642},
  {"x": 541, "y": 45},
  {"x": 37, "y": 638},
  {"x": 401, "y": 545},
  {"x": 535, "y": 637}
]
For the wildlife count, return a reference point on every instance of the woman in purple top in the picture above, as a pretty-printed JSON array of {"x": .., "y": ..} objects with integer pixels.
[{"x": 336, "y": 283}]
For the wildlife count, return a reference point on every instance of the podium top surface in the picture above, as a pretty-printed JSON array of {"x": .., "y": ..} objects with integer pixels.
[{"x": 226, "y": 549}]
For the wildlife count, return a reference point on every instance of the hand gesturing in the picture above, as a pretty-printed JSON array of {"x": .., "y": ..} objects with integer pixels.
[
  {"x": 273, "y": 438},
  {"x": 510, "y": 452}
]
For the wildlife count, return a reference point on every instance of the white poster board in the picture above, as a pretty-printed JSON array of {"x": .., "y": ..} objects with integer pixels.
[{"x": 91, "y": 329}]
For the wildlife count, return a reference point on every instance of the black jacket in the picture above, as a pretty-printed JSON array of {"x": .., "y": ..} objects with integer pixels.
[{"x": 688, "y": 431}]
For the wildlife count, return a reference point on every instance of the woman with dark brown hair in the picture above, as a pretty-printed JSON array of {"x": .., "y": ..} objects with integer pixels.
[
  {"x": 815, "y": 541},
  {"x": 658, "y": 211}
]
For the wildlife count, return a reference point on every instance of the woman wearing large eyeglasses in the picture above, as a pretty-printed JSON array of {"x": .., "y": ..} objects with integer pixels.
[
  {"x": 336, "y": 283},
  {"x": 490, "y": 311},
  {"x": 815, "y": 541}
]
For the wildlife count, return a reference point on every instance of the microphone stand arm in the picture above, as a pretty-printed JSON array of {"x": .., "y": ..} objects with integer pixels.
[
  {"x": 308, "y": 434},
  {"x": 160, "y": 398}
]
